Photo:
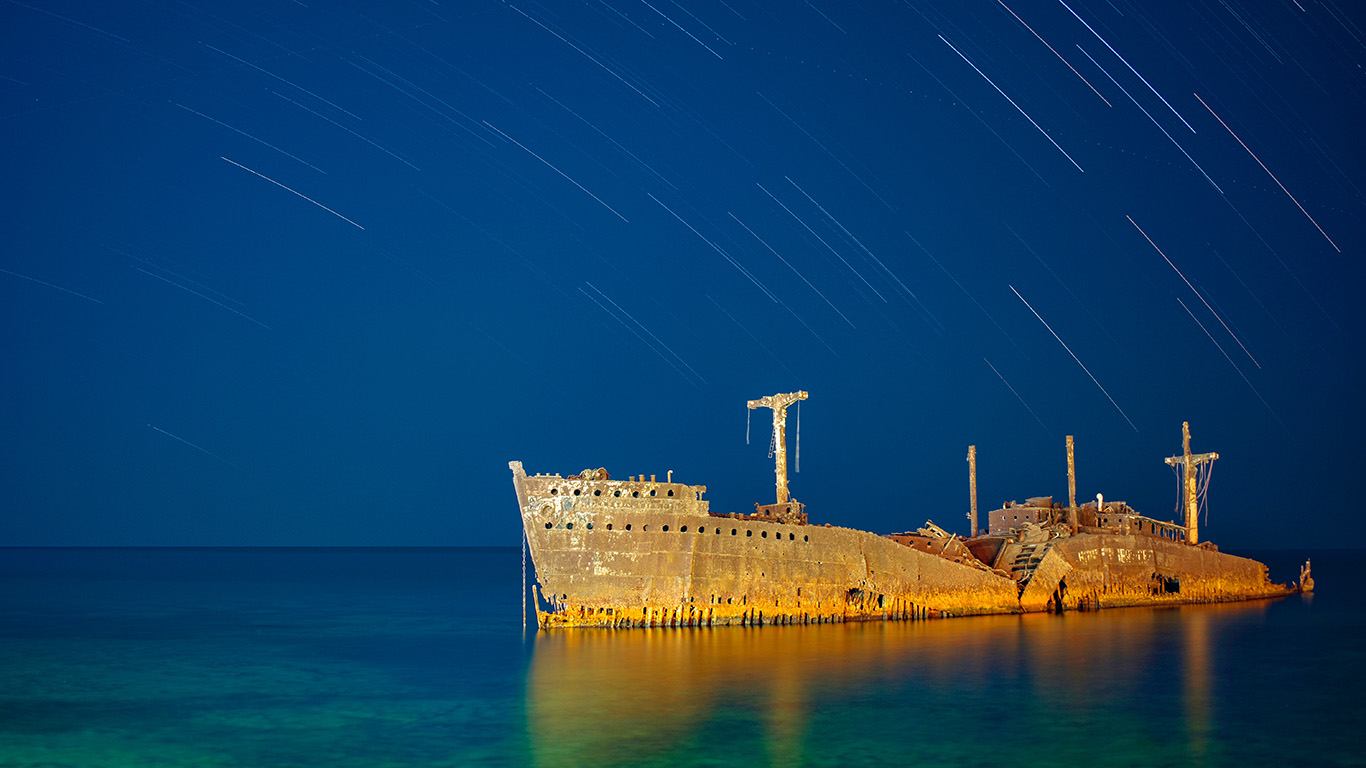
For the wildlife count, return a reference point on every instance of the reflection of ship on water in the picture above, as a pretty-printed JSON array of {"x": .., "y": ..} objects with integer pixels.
[
  {"x": 803, "y": 695},
  {"x": 645, "y": 552}
]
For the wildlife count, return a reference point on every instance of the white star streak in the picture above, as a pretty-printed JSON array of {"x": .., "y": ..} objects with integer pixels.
[
  {"x": 582, "y": 52},
  {"x": 826, "y": 150},
  {"x": 293, "y": 191},
  {"x": 290, "y": 83},
  {"x": 636, "y": 333},
  {"x": 202, "y": 450},
  {"x": 822, "y": 241},
  {"x": 372, "y": 143},
  {"x": 1150, "y": 117},
  {"x": 681, "y": 29},
  {"x": 552, "y": 167},
  {"x": 1229, "y": 359},
  {"x": 855, "y": 240},
  {"x": 1193, "y": 290},
  {"x": 1127, "y": 64},
  {"x": 209, "y": 299},
  {"x": 771, "y": 250},
  {"x": 1269, "y": 173},
  {"x": 1013, "y": 104},
  {"x": 615, "y": 143},
  {"x": 46, "y": 284},
  {"x": 1016, "y": 394},
  {"x": 647, "y": 330},
  {"x": 1078, "y": 361},
  {"x": 738, "y": 266},
  {"x": 249, "y": 136},
  {"x": 1059, "y": 55}
]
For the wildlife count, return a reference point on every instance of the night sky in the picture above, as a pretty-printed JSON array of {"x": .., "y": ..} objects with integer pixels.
[{"x": 304, "y": 273}]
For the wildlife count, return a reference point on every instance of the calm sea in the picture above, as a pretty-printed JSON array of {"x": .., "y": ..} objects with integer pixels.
[{"x": 191, "y": 657}]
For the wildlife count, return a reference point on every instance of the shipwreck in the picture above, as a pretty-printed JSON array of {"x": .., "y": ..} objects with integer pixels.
[{"x": 646, "y": 552}]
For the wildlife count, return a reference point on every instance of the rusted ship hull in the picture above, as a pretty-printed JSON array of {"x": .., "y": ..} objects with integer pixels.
[{"x": 640, "y": 553}]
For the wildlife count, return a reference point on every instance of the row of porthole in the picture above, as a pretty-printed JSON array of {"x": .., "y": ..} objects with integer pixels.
[
  {"x": 684, "y": 529},
  {"x": 598, "y": 492}
]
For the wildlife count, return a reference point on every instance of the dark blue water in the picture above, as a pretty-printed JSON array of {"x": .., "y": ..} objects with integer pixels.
[{"x": 416, "y": 657}]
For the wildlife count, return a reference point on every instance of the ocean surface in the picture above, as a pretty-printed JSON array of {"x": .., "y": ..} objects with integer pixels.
[{"x": 416, "y": 657}]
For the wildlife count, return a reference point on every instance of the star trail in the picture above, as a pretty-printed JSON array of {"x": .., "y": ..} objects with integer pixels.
[{"x": 584, "y": 234}]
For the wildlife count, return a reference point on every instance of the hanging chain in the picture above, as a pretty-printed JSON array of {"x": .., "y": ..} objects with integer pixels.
[
  {"x": 799, "y": 436},
  {"x": 747, "y": 415}
]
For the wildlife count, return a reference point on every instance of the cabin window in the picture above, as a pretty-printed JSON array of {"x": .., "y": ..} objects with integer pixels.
[
  {"x": 671, "y": 491},
  {"x": 548, "y": 526},
  {"x": 652, "y": 491},
  {"x": 597, "y": 491},
  {"x": 635, "y": 494},
  {"x": 568, "y": 526},
  {"x": 576, "y": 491},
  {"x": 806, "y": 537},
  {"x": 554, "y": 491},
  {"x": 792, "y": 537},
  {"x": 701, "y": 529},
  {"x": 609, "y": 526},
  {"x": 732, "y": 531},
  {"x": 616, "y": 493},
  {"x": 749, "y": 532},
  {"x": 590, "y": 526},
  {"x": 763, "y": 534},
  {"x": 684, "y": 529},
  {"x": 666, "y": 529},
  {"x": 628, "y": 526}
]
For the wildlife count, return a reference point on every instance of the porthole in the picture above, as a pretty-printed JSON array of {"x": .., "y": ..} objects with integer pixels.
[
  {"x": 671, "y": 491},
  {"x": 609, "y": 526},
  {"x": 597, "y": 491},
  {"x": 548, "y": 526},
  {"x": 576, "y": 491},
  {"x": 644, "y": 527},
  {"x": 805, "y": 537},
  {"x": 554, "y": 491},
  {"x": 732, "y": 531},
  {"x": 749, "y": 532},
  {"x": 718, "y": 531},
  {"x": 666, "y": 529},
  {"x": 635, "y": 494},
  {"x": 792, "y": 537},
  {"x": 590, "y": 526},
  {"x": 702, "y": 529},
  {"x": 684, "y": 529},
  {"x": 568, "y": 526},
  {"x": 763, "y": 534},
  {"x": 616, "y": 493},
  {"x": 628, "y": 526}
]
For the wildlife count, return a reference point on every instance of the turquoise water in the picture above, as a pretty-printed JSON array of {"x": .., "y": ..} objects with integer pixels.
[{"x": 416, "y": 657}]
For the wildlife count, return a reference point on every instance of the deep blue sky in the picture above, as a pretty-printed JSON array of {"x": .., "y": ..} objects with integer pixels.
[{"x": 211, "y": 359}]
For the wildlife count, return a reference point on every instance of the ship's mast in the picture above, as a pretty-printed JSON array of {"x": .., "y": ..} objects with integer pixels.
[
  {"x": 1190, "y": 463},
  {"x": 779, "y": 404},
  {"x": 972, "y": 490},
  {"x": 1071, "y": 485}
]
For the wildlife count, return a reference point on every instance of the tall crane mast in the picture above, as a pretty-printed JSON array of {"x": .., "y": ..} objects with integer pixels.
[
  {"x": 779, "y": 404},
  {"x": 1190, "y": 463}
]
